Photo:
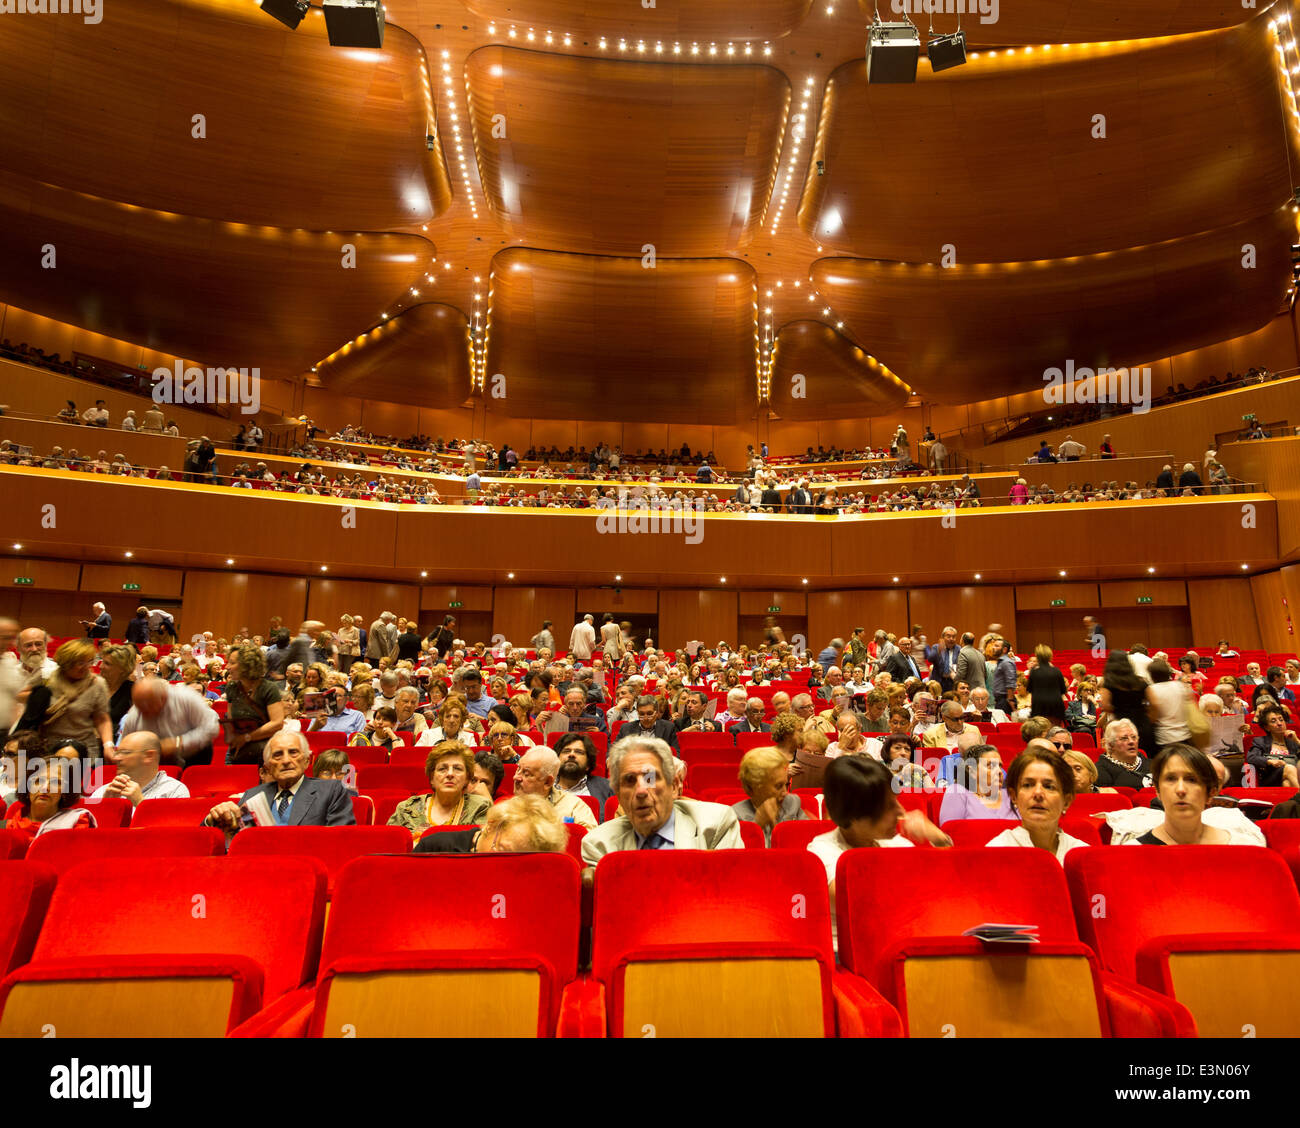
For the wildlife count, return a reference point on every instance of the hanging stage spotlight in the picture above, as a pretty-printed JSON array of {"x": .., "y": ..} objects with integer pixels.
[
  {"x": 354, "y": 23},
  {"x": 946, "y": 51},
  {"x": 892, "y": 51},
  {"x": 288, "y": 12}
]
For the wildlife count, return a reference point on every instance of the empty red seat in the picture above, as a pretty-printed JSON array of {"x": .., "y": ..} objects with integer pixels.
[
  {"x": 704, "y": 742},
  {"x": 63, "y": 851},
  {"x": 111, "y": 811},
  {"x": 183, "y": 947},
  {"x": 386, "y": 802},
  {"x": 25, "y": 891},
  {"x": 752, "y": 835},
  {"x": 703, "y": 777},
  {"x": 365, "y": 755},
  {"x": 478, "y": 945},
  {"x": 387, "y": 777},
  {"x": 1094, "y": 803},
  {"x": 763, "y": 967},
  {"x": 409, "y": 757},
  {"x": 223, "y": 778},
  {"x": 363, "y": 810},
  {"x": 171, "y": 812},
  {"x": 902, "y": 914},
  {"x": 729, "y": 756},
  {"x": 13, "y": 845},
  {"x": 747, "y": 740},
  {"x": 334, "y": 846},
  {"x": 1215, "y": 927},
  {"x": 977, "y": 832},
  {"x": 318, "y": 741},
  {"x": 797, "y": 834}
]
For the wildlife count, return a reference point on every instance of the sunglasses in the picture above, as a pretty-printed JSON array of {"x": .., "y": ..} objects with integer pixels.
[{"x": 1064, "y": 745}]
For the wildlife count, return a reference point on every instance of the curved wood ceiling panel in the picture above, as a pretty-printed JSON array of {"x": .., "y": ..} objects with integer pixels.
[
  {"x": 1070, "y": 21},
  {"x": 421, "y": 357},
  {"x": 224, "y": 293},
  {"x": 840, "y": 381},
  {"x": 683, "y": 19},
  {"x": 298, "y": 134},
  {"x": 998, "y": 158},
  {"x": 584, "y": 337},
  {"x": 606, "y": 156},
  {"x": 975, "y": 332}
]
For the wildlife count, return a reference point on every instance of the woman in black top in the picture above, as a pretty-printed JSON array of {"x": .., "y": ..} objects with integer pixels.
[
  {"x": 1122, "y": 764},
  {"x": 1123, "y": 696},
  {"x": 1047, "y": 687}
]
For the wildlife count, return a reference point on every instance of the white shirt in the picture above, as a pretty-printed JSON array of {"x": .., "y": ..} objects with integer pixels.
[
  {"x": 828, "y": 847},
  {"x": 1019, "y": 836},
  {"x": 162, "y": 786},
  {"x": 430, "y": 737},
  {"x": 1128, "y": 826},
  {"x": 583, "y": 640},
  {"x": 1071, "y": 449},
  {"x": 1140, "y": 662}
]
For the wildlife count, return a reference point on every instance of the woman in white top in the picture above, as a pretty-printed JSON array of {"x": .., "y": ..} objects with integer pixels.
[
  {"x": 454, "y": 715},
  {"x": 1041, "y": 785},
  {"x": 1186, "y": 780},
  {"x": 1167, "y": 701}
]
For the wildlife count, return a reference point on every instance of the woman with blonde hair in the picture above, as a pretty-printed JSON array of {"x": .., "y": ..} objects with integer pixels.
[
  {"x": 72, "y": 703},
  {"x": 765, "y": 777},
  {"x": 348, "y": 638},
  {"x": 117, "y": 666}
]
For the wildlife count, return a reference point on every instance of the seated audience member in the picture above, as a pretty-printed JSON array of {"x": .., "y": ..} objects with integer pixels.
[
  {"x": 898, "y": 754},
  {"x": 950, "y": 726},
  {"x": 489, "y": 772},
  {"x": 1085, "y": 773},
  {"x": 786, "y": 728},
  {"x": 696, "y": 703},
  {"x": 1273, "y": 755},
  {"x": 340, "y": 716},
  {"x": 19, "y": 750},
  {"x": 977, "y": 792},
  {"x": 980, "y": 707},
  {"x": 536, "y": 775},
  {"x": 875, "y": 720},
  {"x": 184, "y": 724},
  {"x": 1122, "y": 763},
  {"x": 765, "y": 777},
  {"x": 1186, "y": 780},
  {"x": 1059, "y": 738},
  {"x": 476, "y": 701},
  {"x": 1081, "y": 713},
  {"x": 1041, "y": 786},
  {"x": 406, "y": 702},
  {"x": 648, "y": 723},
  {"x": 644, "y": 775},
  {"x": 449, "y": 768},
  {"x": 737, "y": 699},
  {"x": 525, "y": 824},
  {"x": 577, "y": 714},
  {"x": 333, "y": 763},
  {"x": 1252, "y": 676},
  {"x": 294, "y": 799},
  {"x": 753, "y": 722},
  {"x": 138, "y": 776},
  {"x": 453, "y": 717},
  {"x": 578, "y": 760},
  {"x": 45, "y": 802},
  {"x": 381, "y": 732},
  {"x": 849, "y": 740},
  {"x": 505, "y": 742}
]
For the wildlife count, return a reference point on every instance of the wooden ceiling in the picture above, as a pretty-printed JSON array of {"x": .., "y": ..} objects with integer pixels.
[{"x": 571, "y": 135}]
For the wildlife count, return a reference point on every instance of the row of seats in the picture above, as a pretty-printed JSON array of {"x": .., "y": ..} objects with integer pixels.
[{"x": 1131, "y": 943}]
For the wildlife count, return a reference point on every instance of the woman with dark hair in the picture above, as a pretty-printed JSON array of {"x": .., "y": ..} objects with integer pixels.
[
  {"x": 977, "y": 792},
  {"x": 1273, "y": 755},
  {"x": 1041, "y": 786},
  {"x": 1186, "y": 781},
  {"x": 46, "y": 800},
  {"x": 1123, "y": 697},
  {"x": 1168, "y": 699}
]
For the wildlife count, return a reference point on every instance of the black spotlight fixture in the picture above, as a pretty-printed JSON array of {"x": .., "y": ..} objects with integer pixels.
[
  {"x": 354, "y": 23},
  {"x": 892, "y": 51},
  {"x": 946, "y": 51},
  {"x": 288, "y": 12}
]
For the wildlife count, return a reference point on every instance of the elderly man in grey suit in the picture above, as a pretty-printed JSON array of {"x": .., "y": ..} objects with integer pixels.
[
  {"x": 294, "y": 799},
  {"x": 382, "y": 639},
  {"x": 642, "y": 772}
]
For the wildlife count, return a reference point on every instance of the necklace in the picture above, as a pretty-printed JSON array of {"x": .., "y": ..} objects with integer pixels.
[
  {"x": 430, "y": 805},
  {"x": 1133, "y": 767}
]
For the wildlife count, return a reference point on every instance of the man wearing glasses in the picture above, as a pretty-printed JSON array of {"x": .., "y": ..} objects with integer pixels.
[{"x": 1062, "y": 739}]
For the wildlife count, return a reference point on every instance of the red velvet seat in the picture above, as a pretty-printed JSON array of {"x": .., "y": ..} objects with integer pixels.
[
  {"x": 25, "y": 891},
  {"x": 111, "y": 811},
  {"x": 1215, "y": 927},
  {"x": 363, "y": 810},
  {"x": 13, "y": 845},
  {"x": 901, "y": 917},
  {"x": 182, "y": 947},
  {"x": 752, "y": 835},
  {"x": 410, "y": 757},
  {"x": 386, "y": 777},
  {"x": 796, "y": 835},
  {"x": 704, "y": 742},
  {"x": 363, "y": 755},
  {"x": 705, "y": 777},
  {"x": 333, "y": 846},
  {"x": 224, "y": 778},
  {"x": 977, "y": 832},
  {"x": 762, "y": 967},
  {"x": 478, "y": 945},
  {"x": 63, "y": 851},
  {"x": 1095, "y": 803},
  {"x": 171, "y": 812},
  {"x": 747, "y": 740},
  {"x": 319, "y": 741}
]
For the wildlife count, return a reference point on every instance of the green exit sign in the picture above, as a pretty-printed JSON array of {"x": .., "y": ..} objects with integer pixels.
[
  {"x": 130, "y": 587},
  {"x": 774, "y": 610},
  {"x": 456, "y": 603},
  {"x": 1058, "y": 602},
  {"x": 23, "y": 580},
  {"x": 1144, "y": 599}
]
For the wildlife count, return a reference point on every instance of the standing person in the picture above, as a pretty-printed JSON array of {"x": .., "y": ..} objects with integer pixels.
[
  {"x": 255, "y": 709},
  {"x": 1004, "y": 676},
  {"x": 1047, "y": 688},
  {"x": 137, "y": 630},
  {"x": 383, "y": 637},
  {"x": 408, "y": 645},
  {"x": 349, "y": 642},
  {"x": 442, "y": 640},
  {"x": 611, "y": 638},
  {"x": 72, "y": 703},
  {"x": 582, "y": 641},
  {"x": 1168, "y": 698},
  {"x": 100, "y": 626},
  {"x": 543, "y": 639},
  {"x": 1123, "y": 697}
]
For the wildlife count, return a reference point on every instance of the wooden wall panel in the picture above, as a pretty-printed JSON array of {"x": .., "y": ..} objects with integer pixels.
[
  {"x": 518, "y": 612},
  {"x": 1277, "y": 599},
  {"x": 1275, "y": 462},
  {"x": 971, "y": 609},
  {"x": 623, "y": 603},
  {"x": 709, "y": 616},
  {"x": 435, "y": 597},
  {"x": 790, "y": 602},
  {"x": 834, "y": 614},
  {"x": 239, "y": 602},
  {"x": 57, "y": 612},
  {"x": 1125, "y": 593},
  {"x": 109, "y": 578},
  {"x": 48, "y": 575},
  {"x": 328, "y": 599},
  {"x": 1038, "y": 597},
  {"x": 1223, "y": 609},
  {"x": 138, "y": 449}
]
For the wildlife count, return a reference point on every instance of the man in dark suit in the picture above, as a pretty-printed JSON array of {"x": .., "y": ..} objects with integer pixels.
[
  {"x": 294, "y": 799},
  {"x": 1165, "y": 479},
  {"x": 646, "y": 724},
  {"x": 753, "y": 721},
  {"x": 101, "y": 625},
  {"x": 799, "y": 500},
  {"x": 693, "y": 718},
  {"x": 901, "y": 665},
  {"x": 577, "y": 755},
  {"x": 943, "y": 659}
]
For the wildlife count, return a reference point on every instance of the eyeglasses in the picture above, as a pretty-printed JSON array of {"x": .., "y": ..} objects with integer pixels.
[{"x": 1064, "y": 745}]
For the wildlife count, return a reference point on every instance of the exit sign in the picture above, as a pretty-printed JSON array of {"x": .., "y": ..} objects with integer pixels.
[
  {"x": 1144, "y": 599},
  {"x": 130, "y": 587},
  {"x": 774, "y": 610},
  {"x": 456, "y": 603},
  {"x": 1058, "y": 602},
  {"x": 23, "y": 580}
]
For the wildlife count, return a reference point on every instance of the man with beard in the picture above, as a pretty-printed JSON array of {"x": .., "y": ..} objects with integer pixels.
[
  {"x": 34, "y": 658},
  {"x": 577, "y": 755}
]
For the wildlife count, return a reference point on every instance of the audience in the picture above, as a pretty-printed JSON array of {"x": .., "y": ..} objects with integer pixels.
[
  {"x": 1041, "y": 786},
  {"x": 1186, "y": 781},
  {"x": 765, "y": 778},
  {"x": 536, "y": 775},
  {"x": 138, "y": 775},
  {"x": 978, "y": 792},
  {"x": 449, "y": 768},
  {"x": 525, "y": 824}
]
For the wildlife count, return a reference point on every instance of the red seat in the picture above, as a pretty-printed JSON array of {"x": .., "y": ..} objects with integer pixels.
[
  {"x": 1274, "y": 795},
  {"x": 152, "y": 813},
  {"x": 223, "y": 778},
  {"x": 386, "y": 802},
  {"x": 593, "y": 803},
  {"x": 363, "y": 810},
  {"x": 364, "y": 755},
  {"x": 1094, "y": 803},
  {"x": 1093, "y": 832},
  {"x": 446, "y": 828},
  {"x": 764, "y": 965},
  {"x": 977, "y": 832},
  {"x": 334, "y": 846},
  {"x": 704, "y": 742},
  {"x": 111, "y": 811},
  {"x": 183, "y": 947},
  {"x": 63, "y": 851},
  {"x": 410, "y": 757},
  {"x": 577, "y": 832},
  {"x": 1083, "y": 740},
  {"x": 747, "y": 740},
  {"x": 796, "y": 834},
  {"x": 702, "y": 777},
  {"x": 611, "y": 808},
  {"x": 1215, "y": 927},
  {"x": 704, "y": 757},
  {"x": 411, "y": 939},
  {"x": 25, "y": 891},
  {"x": 319, "y": 741},
  {"x": 13, "y": 845},
  {"x": 752, "y": 835},
  {"x": 386, "y": 777},
  {"x": 902, "y": 914}
]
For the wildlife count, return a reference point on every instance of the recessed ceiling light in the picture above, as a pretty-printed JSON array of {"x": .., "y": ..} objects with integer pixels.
[
  {"x": 617, "y": 579},
  {"x": 18, "y": 548},
  {"x": 424, "y": 575},
  {"x": 895, "y": 579},
  {"x": 723, "y": 580},
  {"x": 510, "y": 575},
  {"x": 129, "y": 554},
  {"x": 1150, "y": 569},
  {"x": 1243, "y": 567},
  {"x": 805, "y": 579},
  {"x": 978, "y": 576},
  {"x": 230, "y": 559},
  {"x": 323, "y": 568},
  {"x": 1061, "y": 572}
]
